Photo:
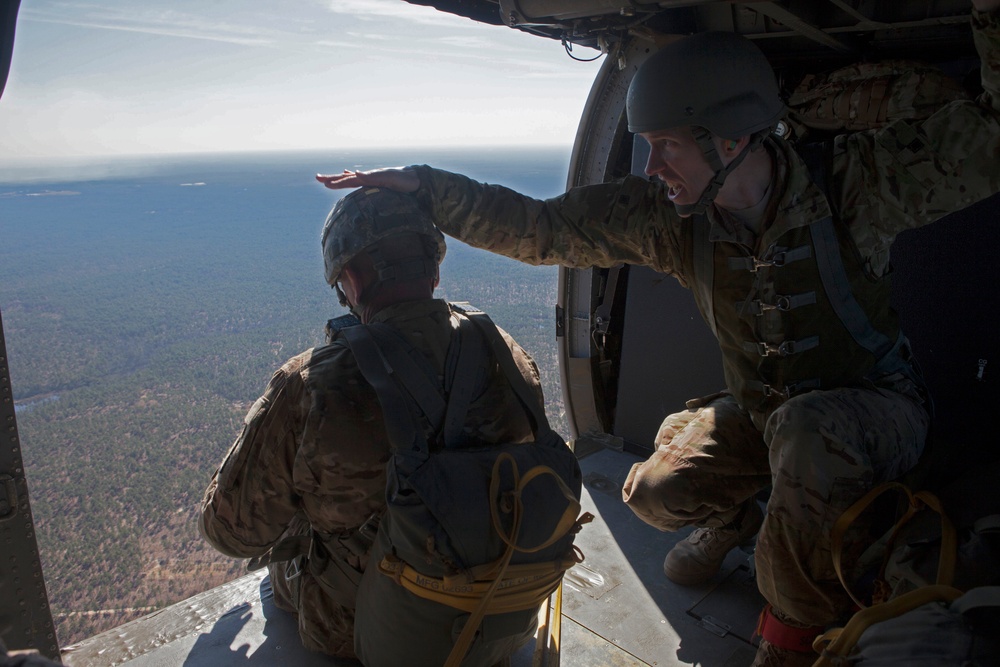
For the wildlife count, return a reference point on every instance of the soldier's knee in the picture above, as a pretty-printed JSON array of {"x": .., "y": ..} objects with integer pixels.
[
  {"x": 803, "y": 424},
  {"x": 806, "y": 447},
  {"x": 649, "y": 492}
]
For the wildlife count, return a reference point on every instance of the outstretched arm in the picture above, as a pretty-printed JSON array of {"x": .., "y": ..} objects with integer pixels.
[{"x": 393, "y": 178}]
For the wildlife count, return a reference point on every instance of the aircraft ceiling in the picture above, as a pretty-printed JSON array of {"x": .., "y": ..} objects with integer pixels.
[{"x": 788, "y": 31}]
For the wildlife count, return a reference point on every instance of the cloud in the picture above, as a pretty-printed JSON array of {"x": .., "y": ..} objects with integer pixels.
[
  {"x": 169, "y": 23},
  {"x": 325, "y": 75},
  {"x": 395, "y": 9}
]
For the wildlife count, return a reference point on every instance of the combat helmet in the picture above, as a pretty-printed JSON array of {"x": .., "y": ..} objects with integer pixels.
[
  {"x": 718, "y": 80},
  {"x": 363, "y": 218},
  {"x": 720, "y": 84}
]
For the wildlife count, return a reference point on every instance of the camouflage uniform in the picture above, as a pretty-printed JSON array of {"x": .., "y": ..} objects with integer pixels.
[
  {"x": 312, "y": 456},
  {"x": 823, "y": 401}
]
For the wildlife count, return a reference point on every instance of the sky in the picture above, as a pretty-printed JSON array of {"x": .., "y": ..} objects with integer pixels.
[{"x": 133, "y": 77}]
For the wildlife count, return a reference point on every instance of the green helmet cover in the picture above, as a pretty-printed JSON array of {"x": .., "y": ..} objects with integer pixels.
[
  {"x": 717, "y": 80},
  {"x": 364, "y": 217}
]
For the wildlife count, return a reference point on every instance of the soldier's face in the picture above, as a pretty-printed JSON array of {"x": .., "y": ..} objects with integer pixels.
[{"x": 676, "y": 159}]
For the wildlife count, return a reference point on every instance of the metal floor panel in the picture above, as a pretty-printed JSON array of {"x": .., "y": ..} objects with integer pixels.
[
  {"x": 618, "y": 608},
  {"x": 636, "y": 607}
]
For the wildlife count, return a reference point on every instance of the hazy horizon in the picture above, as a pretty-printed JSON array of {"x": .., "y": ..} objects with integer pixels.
[{"x": 27, "y": 171}]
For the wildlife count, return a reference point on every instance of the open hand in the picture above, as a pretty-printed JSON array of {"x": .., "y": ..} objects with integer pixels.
[{"x": 393, "y": 178}]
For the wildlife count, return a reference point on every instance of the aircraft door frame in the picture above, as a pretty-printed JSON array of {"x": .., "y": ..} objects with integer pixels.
[
  {"x": 26, "y": 617},
  {"x": 632, "y": 345}
]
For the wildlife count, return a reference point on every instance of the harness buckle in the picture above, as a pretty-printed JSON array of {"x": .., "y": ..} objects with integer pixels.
[
  {"x": 770, "y": 392},
  {"x": 786, "y": 348},
  {"x": 782, "y": 349},
  {"x": 294, "y": 569}
]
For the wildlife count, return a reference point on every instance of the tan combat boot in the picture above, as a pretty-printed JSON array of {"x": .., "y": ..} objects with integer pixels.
[{"x": 698, "y": 558}]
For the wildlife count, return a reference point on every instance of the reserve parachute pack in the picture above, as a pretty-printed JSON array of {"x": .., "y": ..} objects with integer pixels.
[
  {"x": 867, "y": 96},
  {"x": 476, "y": 535}
]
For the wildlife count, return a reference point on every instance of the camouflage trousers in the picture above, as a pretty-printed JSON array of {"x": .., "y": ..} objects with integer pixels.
[
  {"x": 323, "y": 624},
  {"x": 819, "y": 452}
]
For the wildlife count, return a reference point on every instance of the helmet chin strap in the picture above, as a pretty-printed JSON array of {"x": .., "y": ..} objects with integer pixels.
[
  {"x": 404, "y": 270},
  {"x": 341, "y": 297},
  {"x": 355, "y": 308},
  {"x": 708, "y": 195}
]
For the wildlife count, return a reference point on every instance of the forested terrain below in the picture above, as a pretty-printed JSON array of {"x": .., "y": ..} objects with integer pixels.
[{"x": 145, "y": 313}]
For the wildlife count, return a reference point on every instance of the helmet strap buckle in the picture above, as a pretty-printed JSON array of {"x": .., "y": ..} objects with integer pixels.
[{"x": 704, "y": 139}]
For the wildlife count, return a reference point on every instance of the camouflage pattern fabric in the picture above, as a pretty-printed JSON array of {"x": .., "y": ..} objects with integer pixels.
[
  {"x": 820, "y": 452},
  {"x": 868, "y": 95},
  {"x": 324, "y": 625},
  {"x": 312, "y": 456},
  {"x": 821, "y": 448},
  {"x": 708, "y": 462}
]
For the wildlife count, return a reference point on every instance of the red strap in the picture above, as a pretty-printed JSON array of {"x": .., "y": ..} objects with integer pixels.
[{"x": 785, "y": 636}]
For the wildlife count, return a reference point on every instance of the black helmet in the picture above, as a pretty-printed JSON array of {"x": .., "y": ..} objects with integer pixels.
[
  {"x": 365, "y": 217},
  {"x": 717, "y": 80}
]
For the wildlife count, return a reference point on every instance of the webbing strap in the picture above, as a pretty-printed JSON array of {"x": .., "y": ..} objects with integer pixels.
[
  {"x": 786, "y": 391},
  {"x": 286, "y": 549},
  {"x": 522, "y": 587},
  {"x": 917, "y": 501},
  {"x": 782, "y": 349},
  {"x": 412, "y": 370},
  {"x": 469, "y": 369},
  {"x": 781, "y": 302},
  {"x": 602, "y": 314},
  {"x": 398, "y": 422},
  {"x": 704, "y": 270},
  {"x": 776, "y": 256},
  {"x": 506, "y": 360},
  {"x": 838, "y": 291}
]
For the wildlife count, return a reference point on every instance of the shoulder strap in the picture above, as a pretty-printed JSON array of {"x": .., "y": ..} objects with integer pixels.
[
  {"x": 507, "y": 364},
  {"x": 466, "y": 379},
  {"x": 704, "y": 268},
  {"x": 836, "y": 284},
  {"x": 412, "y": 370},
  {"x": 403, "y": 434},
  {"x": 838, "y": 290}
]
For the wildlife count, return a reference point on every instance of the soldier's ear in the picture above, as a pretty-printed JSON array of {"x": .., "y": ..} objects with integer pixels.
[{"x": 350, "y": 282}]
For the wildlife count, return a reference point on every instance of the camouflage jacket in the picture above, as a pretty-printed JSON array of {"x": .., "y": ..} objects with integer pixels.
[
  {"x": 315, "y": 443},
  {"x": 880, "y": 183}
]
